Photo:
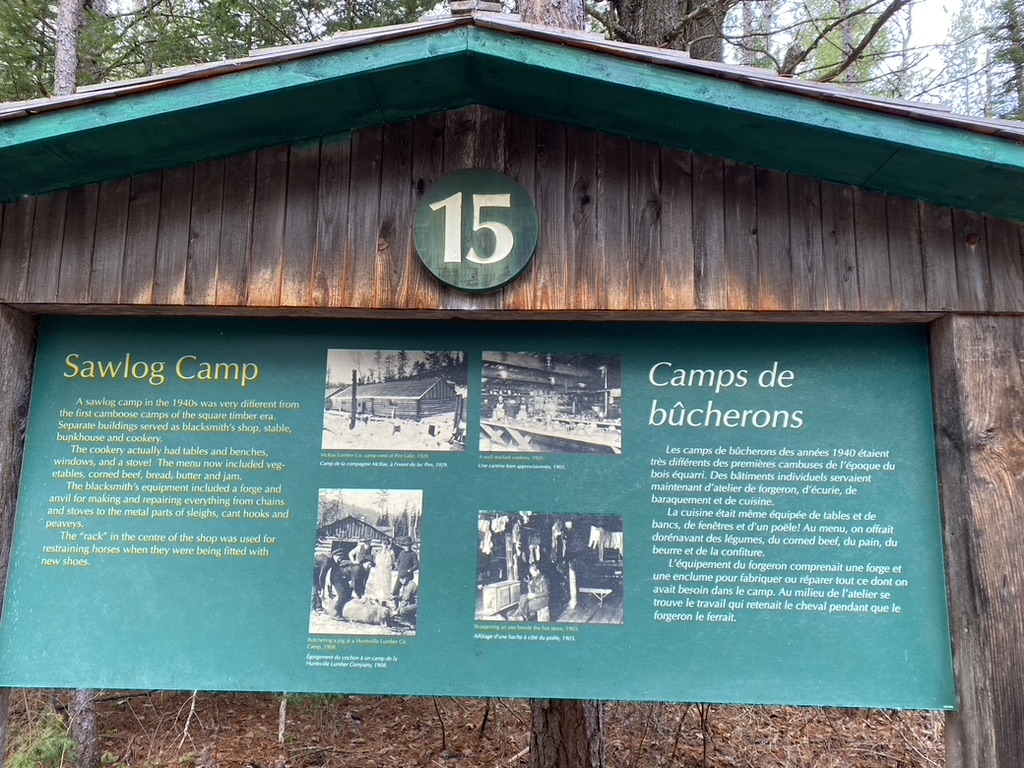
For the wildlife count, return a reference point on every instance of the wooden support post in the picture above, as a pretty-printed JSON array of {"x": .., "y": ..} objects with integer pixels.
[
  {"x": 352, "y": 419},
  {"x": 17, "y": 352},
  {"x": 979, "y": 403}
]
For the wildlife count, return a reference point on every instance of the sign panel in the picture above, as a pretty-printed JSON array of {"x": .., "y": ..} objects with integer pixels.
[{"x": 742, "y": 514}]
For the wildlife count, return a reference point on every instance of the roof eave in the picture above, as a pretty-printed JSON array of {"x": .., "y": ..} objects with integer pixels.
[{"x": 383, "y": 76}]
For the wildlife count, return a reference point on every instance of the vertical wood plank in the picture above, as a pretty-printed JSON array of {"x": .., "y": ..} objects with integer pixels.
[
  {"x": 491, "y": 139},
  {"x": 839, "y": 247},
  {"x": 873, "y": 274},
  {"x": 740, "y": 223},
  {"x": 111, "y": 238},
  {"x": 489, "y": 153},
  {"x": 978, "y": 378},
  {"x": 775, "y": 261},
  {"x": 265, "y": 263},
  {"x": 532, "y": 288},
  {"x": 237, "y": 232},
  {"x": 677, "y": 234},
  {"x": 547, "y": 161},
  {"x": 460, "y": 152},
  {"x": 615, "y": 215},
  {"x": 173, "y": 237},
  {"x": 47, "y": 245},
  {"x": 207, "y": 221},
  {"x": 15, "y": 247},
  {"x": 645, "y": 250},
  {"x": 583, "y": 276},
  {"x": 1006, "y": 263},
  {"x": 940, "y": 285},
  {"x": 140, "y": 241},
  {"x": 711, "y": 278},
  {"x": 394, "y": 231},
  {"x": 364, "y": 218},
  {"x": 906, "y": 263},
  {"x": 460, "y": 139},
  {"x": 422, "y": 288},
  {"x": 332, "y": 220},
  {"x": 300, "y": 224},
  {"x": 806, "y": 242},
  {"x": 77, "y": 250},
  {"x": 970, "y": 248}
]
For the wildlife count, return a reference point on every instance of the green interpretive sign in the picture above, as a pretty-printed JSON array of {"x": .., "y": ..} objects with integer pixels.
[{"x": 723, "y": 513}]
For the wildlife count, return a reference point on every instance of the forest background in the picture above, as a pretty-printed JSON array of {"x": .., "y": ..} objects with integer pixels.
[
  {"x": 887, "y": 48},
  {"x": 967, "y": 54}
]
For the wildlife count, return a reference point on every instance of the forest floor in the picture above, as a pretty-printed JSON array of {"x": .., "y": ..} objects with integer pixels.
[{"x": 182, "y": 730}]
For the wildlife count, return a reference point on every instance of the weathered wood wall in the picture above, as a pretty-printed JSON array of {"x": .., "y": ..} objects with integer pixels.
[{"x": 625, "y": 226}]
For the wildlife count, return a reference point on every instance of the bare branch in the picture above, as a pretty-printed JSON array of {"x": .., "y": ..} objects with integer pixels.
[
  {"x": 799, "y": 56},
  {"x": 865, "y": 41}
]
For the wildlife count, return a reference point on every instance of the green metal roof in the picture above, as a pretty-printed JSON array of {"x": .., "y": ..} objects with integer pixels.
[{"x": 396, "y": 73}]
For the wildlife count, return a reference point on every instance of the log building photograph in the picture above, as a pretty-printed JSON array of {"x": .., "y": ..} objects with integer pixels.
[{"x": 396, "y": 400}]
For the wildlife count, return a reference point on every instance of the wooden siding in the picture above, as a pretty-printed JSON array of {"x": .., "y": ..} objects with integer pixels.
[{"x": 625, "y": 226}]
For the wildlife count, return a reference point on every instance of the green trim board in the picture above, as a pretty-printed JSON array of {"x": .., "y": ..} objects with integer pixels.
[
  {"x": 298, "y": 94},
  {"x": 743, "y": 514}
]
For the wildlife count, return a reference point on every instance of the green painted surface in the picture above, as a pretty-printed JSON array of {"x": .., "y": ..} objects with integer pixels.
[
  {"x": 177, "y": 508},
  {"x": 438, "y": 70}
]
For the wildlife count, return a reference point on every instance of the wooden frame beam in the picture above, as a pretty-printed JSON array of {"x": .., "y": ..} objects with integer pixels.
[{"x": 978, "y": 368}]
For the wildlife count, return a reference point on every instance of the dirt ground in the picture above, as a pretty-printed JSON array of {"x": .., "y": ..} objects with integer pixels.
[
  {"x": 163, "y": 730},
  {"x": 379, "y": 434}
]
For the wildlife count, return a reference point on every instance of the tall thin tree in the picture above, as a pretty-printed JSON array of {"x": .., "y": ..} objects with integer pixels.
[{"x": 70, "y": 17}]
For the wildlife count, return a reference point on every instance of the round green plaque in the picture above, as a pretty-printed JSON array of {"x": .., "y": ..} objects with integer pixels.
[{"x": 476, "y": 230}]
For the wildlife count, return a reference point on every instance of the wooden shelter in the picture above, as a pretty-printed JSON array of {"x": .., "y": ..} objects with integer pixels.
[
  {"x": 347, "y": 531},
  {"x": 403, "y": 399},
  {"x": 671, "y": 189}
]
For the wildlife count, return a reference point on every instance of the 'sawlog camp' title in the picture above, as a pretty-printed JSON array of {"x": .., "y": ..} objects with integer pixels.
[
  {"x": 186, "y": 368},
  {"x": 666, "y": 375}
]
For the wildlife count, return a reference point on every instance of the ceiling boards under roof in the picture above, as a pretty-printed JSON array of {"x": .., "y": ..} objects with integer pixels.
[{"x": 384, "y": 75}]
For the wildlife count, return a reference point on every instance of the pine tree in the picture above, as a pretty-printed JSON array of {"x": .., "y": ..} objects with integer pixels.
[{"x": 1006, "y": 34}]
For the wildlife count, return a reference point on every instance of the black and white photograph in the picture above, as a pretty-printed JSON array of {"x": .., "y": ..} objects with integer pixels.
[
  {"x": 559, "y": 568},
  {"x": 395, "y": 400},
  {"x": 551, "y": 403},
  {"x": 366, "y": 576}
]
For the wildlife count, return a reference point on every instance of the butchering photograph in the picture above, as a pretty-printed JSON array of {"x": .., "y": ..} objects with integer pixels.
[
  {"x": 550, "y": 568},
  {"x": 551, "y": 403},
  {"x": 366, "y": 575},
  {"x": 395, "y": 400}
]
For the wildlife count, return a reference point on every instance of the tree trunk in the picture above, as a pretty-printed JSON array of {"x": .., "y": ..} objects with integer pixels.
[
  {"x": 566, "y": 734},
  {"x": 685, "y": 25},
  {"x": 564, "y": 14},
  {"x": 69, "y": 24},
  {"x": 84, "y": 728},
  {"x": 17, "y": 350}
]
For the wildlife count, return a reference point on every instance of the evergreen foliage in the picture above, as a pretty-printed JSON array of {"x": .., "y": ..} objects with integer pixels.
[
  {"x": 1006, "y": 36},
  {"x": 44, "y": 742},
  {"x": 144, "y": 37}
]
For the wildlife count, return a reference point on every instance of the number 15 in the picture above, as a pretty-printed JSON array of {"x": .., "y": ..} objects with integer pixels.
[{"x": 504, "y": 240}]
